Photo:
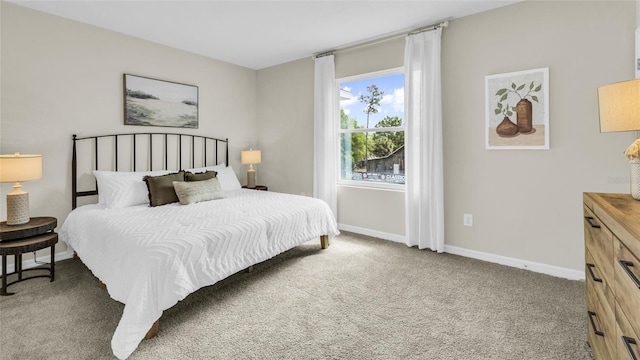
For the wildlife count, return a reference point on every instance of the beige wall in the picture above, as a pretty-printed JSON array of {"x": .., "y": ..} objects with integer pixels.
[
  {"x": 285, "y": 128},
  {"x": 526, "y": 204},
  {"x": 61, "y": 77}
]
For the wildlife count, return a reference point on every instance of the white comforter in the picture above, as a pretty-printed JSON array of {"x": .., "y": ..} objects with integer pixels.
[{"x": 151, "y": 258}]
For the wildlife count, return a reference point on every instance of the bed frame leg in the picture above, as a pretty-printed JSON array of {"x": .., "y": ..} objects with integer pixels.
[
  {"x": 153, "y": 332},
  {"x": 324, "y": 241}
]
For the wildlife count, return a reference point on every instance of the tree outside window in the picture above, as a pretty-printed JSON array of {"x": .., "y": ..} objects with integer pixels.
[{"x": 372, "y": 128}]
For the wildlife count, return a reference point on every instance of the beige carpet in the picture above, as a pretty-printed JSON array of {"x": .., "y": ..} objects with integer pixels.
[{"x": 362, "y": 298}]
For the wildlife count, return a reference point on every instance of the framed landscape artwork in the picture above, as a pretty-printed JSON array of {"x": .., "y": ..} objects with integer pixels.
[
  {"x": 154, "y": 102},
  {"x": 517, "y": 110}
]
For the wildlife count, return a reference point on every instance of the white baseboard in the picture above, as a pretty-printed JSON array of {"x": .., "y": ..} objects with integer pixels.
[
  {"x": 27, "y": 264},
  {"x": 517, "y": 263},
  {"x": 372, "y": 233},
  {"x": 479, "y": 255}
]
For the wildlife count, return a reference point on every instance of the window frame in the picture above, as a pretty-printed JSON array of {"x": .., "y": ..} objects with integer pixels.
[{"x": 340, "y": 131}]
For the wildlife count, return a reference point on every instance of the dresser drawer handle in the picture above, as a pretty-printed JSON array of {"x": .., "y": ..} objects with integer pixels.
[
  {"x": 627, "y": 344},
  {"x": 591, "y": 223},
  {"x": 625, "y": 265},
  {"x": 593, "y": 323},
  {"x": 593, "y": 276}
]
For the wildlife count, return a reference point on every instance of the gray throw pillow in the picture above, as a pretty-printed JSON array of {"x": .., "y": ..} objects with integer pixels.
[
  {"x": 197, "y": 191},
  {"x": 161, "y": 190},
  {"x": 209, "y": 174}
]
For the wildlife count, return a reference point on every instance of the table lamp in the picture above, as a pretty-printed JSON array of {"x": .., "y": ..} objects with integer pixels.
[
  {"x": 251, "y": 157},
  {"x": 15, "y": 168},
  {"x": 619, "y": 107}
]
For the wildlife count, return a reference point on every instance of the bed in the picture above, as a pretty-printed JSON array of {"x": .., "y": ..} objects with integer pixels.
[{"x": 151, "y": 257}]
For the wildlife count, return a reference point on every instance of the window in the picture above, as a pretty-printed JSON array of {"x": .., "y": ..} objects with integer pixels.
[{"x": 372, "y": 128}]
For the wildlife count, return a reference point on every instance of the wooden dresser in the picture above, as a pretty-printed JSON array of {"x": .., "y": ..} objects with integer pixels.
[{"x": 612, "y": 269}]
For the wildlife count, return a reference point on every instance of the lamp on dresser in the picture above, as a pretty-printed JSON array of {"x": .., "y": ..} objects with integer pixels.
[
  {"x": 251, "y": 157},
  {"x": 619, "y": 108},
  {"x": 16, "y": 168}
]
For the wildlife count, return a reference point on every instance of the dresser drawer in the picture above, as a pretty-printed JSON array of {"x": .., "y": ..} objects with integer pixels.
[
  {"x": 601, "y": 319},
  {"x": 594, "y": 275},
  {"x": 599, "y": 242},
  {"x": 627, "y": 340},
  {"x": 627, "y": 277},
  {"x": 598, "y": 346}
]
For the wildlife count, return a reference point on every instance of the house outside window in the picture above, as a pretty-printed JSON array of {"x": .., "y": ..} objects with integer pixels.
[{"x": 372, "y": 129}]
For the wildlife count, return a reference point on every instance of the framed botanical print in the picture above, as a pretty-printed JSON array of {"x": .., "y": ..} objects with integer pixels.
[{"x": 517, "y": 110}]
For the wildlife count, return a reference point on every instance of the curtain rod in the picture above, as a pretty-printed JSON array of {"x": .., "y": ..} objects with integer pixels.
[{"x": 443, "y": 24}]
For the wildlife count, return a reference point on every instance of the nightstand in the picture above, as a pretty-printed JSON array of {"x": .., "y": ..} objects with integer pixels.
[
  {"x": 258, "y": 187},
  {"x": 16, "y": 240}
]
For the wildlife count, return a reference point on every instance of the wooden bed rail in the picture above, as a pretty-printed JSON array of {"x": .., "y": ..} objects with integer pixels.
[
  {"x": 324, "y": 241},
  {"x": 153, "y": 332}
]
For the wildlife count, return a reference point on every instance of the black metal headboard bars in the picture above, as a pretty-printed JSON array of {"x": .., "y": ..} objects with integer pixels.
[{"x": 203, "y": 148}]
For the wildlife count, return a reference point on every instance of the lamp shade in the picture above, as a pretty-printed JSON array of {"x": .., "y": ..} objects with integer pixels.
[
  {"x": 619, "y": 106},
  {"x": 20, "y": 167},
  {"x": 251, "y": 156}
]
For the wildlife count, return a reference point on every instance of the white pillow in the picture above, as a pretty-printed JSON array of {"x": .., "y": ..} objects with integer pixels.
[
  {"x": 118, "y": 189},
  {"x": 226, "y": 176},
  {"x": 228, "y": 179},
  {"x": 207, "y": 168}
]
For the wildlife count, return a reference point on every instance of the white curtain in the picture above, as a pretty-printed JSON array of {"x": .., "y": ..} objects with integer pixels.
[
  {"x": 325, "y": 136},
  {"x": 423, "y": 142}
]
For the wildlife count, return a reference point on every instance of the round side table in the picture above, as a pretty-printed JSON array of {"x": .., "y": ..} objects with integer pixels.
[{"x": 19, "y": 239}]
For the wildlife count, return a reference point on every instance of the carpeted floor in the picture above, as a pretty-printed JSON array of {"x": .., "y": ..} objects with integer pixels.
[{"x": 362, "y": 298}]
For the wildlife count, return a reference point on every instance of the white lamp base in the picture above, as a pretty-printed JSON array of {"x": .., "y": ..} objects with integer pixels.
[{"x": 18, "y": 208}]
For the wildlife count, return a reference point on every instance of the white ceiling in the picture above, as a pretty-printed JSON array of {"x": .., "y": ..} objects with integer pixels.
[{"x": 260, "y": 34}]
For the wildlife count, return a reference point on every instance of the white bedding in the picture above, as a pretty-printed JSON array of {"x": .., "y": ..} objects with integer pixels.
[{"x": 152, "y": 257}]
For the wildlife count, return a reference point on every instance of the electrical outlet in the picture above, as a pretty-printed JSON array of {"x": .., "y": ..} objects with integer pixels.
[{"x": 468, "y": 220}]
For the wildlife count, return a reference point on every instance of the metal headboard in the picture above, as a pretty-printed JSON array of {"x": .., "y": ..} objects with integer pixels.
[{"x": 199, "y": 145}]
